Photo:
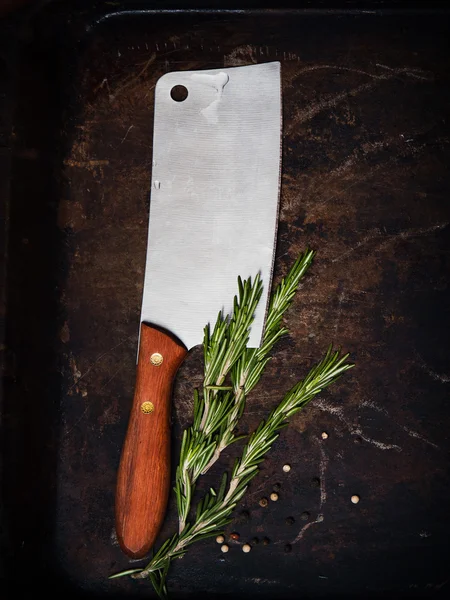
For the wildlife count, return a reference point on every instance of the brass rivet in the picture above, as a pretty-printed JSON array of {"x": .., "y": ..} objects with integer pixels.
[
  {"x": 147, "y": 408},
  {"x": 156, "y": 359}
]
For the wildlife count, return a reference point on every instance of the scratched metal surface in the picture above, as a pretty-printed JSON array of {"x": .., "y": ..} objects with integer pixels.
[{"x": 365, "y": 182}]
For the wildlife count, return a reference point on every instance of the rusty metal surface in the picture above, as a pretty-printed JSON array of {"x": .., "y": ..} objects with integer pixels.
[{"x": 365, "y": 182}]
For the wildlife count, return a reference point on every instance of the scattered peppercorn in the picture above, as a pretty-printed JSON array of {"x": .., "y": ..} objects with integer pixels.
[
  {"x": 324, "y": 435},
  {"x": 246, "y": 548},
  {"x": 315, "y": 482},
  {"x": 274, "y": 497},
  {"x": 286, "y": 468},
  {"x": 235, "y": 535},
  {"x": 220, "y": 539},
  {"x": 290, "y": 520},
  {"x": 263, "y": 502},
  {"x": 277, "y": 487},
  {"x": 288, "y": 548},
  {"x": 266, "y": 541},
  {"x": 355, "y": 499},
  {"x": 305, "y": 516},
  {"x": 224, "y": 548}
]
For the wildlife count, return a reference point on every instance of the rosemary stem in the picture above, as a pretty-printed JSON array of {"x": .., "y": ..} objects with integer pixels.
[{"x": 218, "y": 409}]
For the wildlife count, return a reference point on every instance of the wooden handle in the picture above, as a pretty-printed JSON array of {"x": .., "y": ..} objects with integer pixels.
[{"x": 144, "y": 472}]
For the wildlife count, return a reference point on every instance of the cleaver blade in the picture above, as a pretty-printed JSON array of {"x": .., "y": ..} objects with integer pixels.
[{"x": 213, "y": 216}]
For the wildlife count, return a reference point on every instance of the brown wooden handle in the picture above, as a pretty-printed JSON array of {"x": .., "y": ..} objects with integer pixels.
[{"x": 144, "y": 472}]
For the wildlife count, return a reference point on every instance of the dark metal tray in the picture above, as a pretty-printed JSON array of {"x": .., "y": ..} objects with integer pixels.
[{"x": 365, "y": 182}]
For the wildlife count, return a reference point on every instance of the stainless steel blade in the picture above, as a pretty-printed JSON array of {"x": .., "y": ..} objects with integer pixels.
[{"x": 214, "y": 195}]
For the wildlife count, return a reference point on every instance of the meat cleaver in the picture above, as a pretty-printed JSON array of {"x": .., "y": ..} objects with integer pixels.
[{"x": 213, "y": 216}]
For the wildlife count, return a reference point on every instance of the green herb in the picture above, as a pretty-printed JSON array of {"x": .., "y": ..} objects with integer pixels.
[{"x": 218, "y": 408}]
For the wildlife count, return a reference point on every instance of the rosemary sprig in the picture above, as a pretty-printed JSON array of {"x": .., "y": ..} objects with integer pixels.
[{"x": 217, "y": 411}]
